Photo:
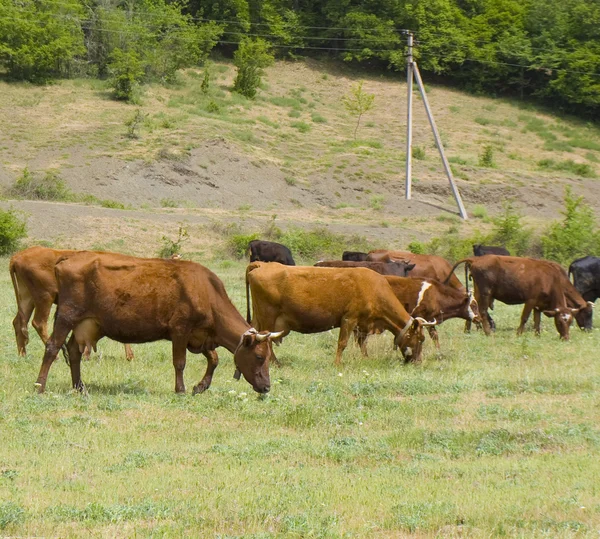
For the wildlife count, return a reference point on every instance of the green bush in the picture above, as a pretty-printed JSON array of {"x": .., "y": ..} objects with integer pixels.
[
  {"x": 510, "y": 232},
  {"x": 31, "y": 186},
  {"x": 251, "y": 57},
  {"x": 575, "y": 236},
  {"x": 486, "y": 158},
  {"x": 12, "y": 230},
  {"x": 237, "y": 244},
  {"x": 126, "y": 71},
  {"x": 416, "y": 247},
  {"x": 173, "y": 247}
]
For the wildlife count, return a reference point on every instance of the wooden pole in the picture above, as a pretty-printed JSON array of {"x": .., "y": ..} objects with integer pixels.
[
  {"x": 438, "y": 142},
  {"x": 409, "y": 90}
]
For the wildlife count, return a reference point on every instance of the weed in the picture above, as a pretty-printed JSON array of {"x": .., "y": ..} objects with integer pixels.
[
  {"x": 486, "y": 157},
  {"x": 376, "y": 202},
  {"x": 50, "y": 186},
  {"x": 317, "y": 118},
  {"x": 418, "y": 152},
  {"x": 290, "y": 180},
  {"x": 135, "y": 123},
  {"x": 10, "y": 514},
  {"x": 168, "y": 203},
  {"x": 170, "y": 247},
  {"x": 479, "y": 212},
  {"x": 294, "y": 113},
  {"x": 303, "y": 127},
  {"x": 12, "y": 230},
  {"x": 579, "y": 169}
]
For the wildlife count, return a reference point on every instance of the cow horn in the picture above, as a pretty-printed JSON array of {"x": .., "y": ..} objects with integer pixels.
[
  {"x": 260, "y": 337},
  {"x": 591, "y": 304},
  {"x": 425, "y": 323},
  {"x": 575, "y": 311},
  {"x": 276, "y": 335}
]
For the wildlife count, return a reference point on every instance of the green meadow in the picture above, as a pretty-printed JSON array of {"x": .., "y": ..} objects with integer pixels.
[{"x": 492, "y": 437}]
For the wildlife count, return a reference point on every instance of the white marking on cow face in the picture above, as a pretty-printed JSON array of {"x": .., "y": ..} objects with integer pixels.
[
  {"x": 408, "y": 351},
  {"x": 566, "y": 317},
  {"x": 470, "y": 311},
  {"x": 421, "y": 296}
]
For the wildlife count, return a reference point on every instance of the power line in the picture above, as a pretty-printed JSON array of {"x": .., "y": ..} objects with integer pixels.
[{"x": 126, "y": 30}]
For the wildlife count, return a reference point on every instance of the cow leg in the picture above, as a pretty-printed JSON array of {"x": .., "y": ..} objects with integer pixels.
[
  {"x": 75, "y": 363},
  {"x": 40, "y": 319},
  {"x": 527, "y": 308},
  {"x": 54, "y": 344},
  {"x": 128, "y": 352},
  {"x": 434, "y": 335},
  {"x": 24, "y": 312},
  {"x": 537, "y": 321},
  {"x": 346, "y": 329},
  {"x": 468, "y": 326},
  {"x": 485, "y": 317},
  {"x": 179, "y": 358},
  {"x": 212, "y": 360},
  {"x": 361, "y": 340}
]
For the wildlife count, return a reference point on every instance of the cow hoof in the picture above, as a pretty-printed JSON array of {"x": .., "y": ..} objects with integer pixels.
[{"x": 200, "y": 388}]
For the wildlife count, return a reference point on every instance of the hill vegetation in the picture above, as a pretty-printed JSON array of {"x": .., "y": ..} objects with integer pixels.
[{"x": 543, "y": 48}]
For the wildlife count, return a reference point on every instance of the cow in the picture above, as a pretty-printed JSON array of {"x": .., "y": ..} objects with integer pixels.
[
  {"x": 141, "y": 300},
  {"x": 312, "y": 300},
  {"x": 36, "y": 290},
  {"x": 482, "y": 250},
  {"x": 398, "y": 268},
  {"x": 431, "y": 299},
  {"x": 586, "y": 279},
  {"x": 269, "y": 251},
  {"x": 354, "y": 256},
  {"x": 426, "y": 266},
  {"x": 513, "y": 280}
]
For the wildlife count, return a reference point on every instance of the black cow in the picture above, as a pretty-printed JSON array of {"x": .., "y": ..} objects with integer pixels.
[
  {"x": 399, "y": 268},
  {"x": 586, "y": 277},
  {"x": 269, "y": 251},
  {"x": 354, "y": 256},
  {"x": 482, "y": 250}
]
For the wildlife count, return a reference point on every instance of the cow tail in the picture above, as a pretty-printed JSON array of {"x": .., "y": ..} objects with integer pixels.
[
  {"x": 467, "y": 263},
  {"x": 570, "y": 273},
  {"x": 248, "y": 314},
  {"x": 15, "y": 282}
]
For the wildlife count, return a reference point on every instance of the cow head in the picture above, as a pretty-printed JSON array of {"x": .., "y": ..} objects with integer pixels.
[
  {"x": 583, "y": 316},
  {"x": 252, "y": 357},
  {"x": 403, "y": 266},
  {"x": 410, "y": 339},
  {"x": 563, "y": 318}
]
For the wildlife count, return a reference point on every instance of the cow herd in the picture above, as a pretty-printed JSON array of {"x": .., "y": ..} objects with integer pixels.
[{"x": 137, "y": 300}]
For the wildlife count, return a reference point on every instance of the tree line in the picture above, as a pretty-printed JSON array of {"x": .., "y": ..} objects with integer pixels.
[{"x": 546, "y": 49}]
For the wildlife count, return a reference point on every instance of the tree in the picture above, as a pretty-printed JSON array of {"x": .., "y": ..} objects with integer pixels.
[
  {"x": 251, "y": 57},
  {"x": 357, "y": 102}
]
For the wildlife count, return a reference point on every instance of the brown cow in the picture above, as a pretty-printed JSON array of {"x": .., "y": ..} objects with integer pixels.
[
  {"x": 36, "y": 289},
  {"x": 426, "y": 266},
  {"x": 515, "y": 280},
  {"x": 141, "y": 300},
  {"x": 431, "y": 299},
  {"x": 311, "y": 300},
  {"x": 397, "y": 268}
]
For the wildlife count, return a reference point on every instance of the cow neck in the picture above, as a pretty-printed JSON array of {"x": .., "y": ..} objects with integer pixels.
[{"x": 230, "y": 329}]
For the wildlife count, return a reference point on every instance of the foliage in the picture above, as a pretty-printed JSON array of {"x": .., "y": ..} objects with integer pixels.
[
  {"x": 510, "y": 232},
  {"x": 126, "y": 71},
  {"x": 33, "y": 186},
  {"x": 358, "y": 102},
  {"x": 486, "y": 158},
  {"x": 12, "y": 230},
  {"x": 575, "y": 236},
  {"x": 170, "y": 247},
  {"x": 251, "y": 57},
  {"x": 135, "y": 123}
]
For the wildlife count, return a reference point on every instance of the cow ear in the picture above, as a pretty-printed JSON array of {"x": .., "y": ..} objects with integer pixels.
[
  {"x": 248, "y": 340},
  {"x": 410, "y": 267},
  {"x": 552, "y": 313}
]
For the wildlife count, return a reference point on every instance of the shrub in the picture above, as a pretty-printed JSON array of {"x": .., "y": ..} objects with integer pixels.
[
  {"x": 510, "y": 232},
  {"x": 576, "y": 235},
  {"x": 170, "y": 247},
  {"x": 134, "y": 123},
  {"x": 237, "y": 244},
  {"x": 31, "y": 186},
  {"x": 12, "y": 230},
  {"x": 418, "y": 152},
  {"x": 205, "y": 86},
  {"x": 486, "y": 158},
  {"x": 126, "y": 71},
  {"x": 416, "y": 247},
  {"x": 251, "y": 57}
]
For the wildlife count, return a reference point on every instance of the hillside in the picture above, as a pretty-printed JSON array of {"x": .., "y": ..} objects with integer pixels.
[{"x": 219, "y": 158}]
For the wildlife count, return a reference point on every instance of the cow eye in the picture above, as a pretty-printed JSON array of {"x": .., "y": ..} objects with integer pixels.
[{"x": 260, "y": 358}]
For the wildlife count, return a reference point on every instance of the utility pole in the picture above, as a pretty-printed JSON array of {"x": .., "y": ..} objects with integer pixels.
[
  {"x": 412, "y": 72},
  {"x": 409, "y": 91}
]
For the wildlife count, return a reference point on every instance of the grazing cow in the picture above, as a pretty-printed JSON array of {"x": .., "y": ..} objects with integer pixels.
[
  {"x": 269, "y": 251},
  {"x": 400, "y": 269},
  {"x": 354, "y": 256},
  {"x": 426, "y": 266},
  {"x": 36, "y": 289},
  {"x": 482, "y": 250},
  {"x": 311, "y": 300},
  {"x": 513, "y": 280},
  {"x": 141, "y": 300},
  {"x": 586, "y": 279},
  {"x": 431, "y": 299}
]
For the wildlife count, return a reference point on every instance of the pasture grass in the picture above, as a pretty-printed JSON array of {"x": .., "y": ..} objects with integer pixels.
[{"x": 490, "y": 437}]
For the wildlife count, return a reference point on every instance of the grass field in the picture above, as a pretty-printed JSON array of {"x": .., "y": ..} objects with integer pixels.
[{"x": 494, "y": 437}]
